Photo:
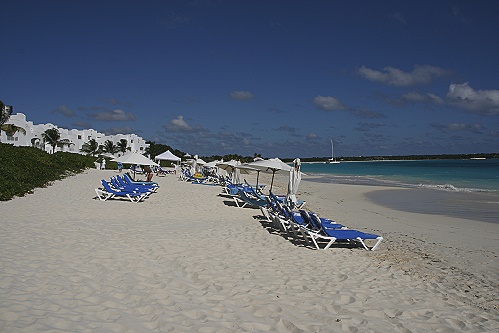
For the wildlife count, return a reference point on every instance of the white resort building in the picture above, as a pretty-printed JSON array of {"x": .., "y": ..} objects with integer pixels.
[{"x": 33, "y": 137}]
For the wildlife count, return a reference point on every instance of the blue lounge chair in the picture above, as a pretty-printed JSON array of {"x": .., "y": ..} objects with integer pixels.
[
  {"x": 233, "y": 189},
  {"x": 120, "y": 183},
  {"x": 283, "y": 218},
  {"x": 250, "y": 200},
  {"x": 326, "y": 223},
  {"x": 332, "y": 235},
  {"x": 162, "y": 171},
  {"x": 128, "y": 179},
  {"x": 108, "y": 192}
]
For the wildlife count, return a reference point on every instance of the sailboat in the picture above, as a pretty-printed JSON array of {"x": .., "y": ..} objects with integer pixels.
[{"x": 332, "y": 160}]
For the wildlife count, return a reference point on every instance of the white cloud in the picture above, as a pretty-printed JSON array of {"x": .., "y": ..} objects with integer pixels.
[
  {"x": 421, "y": 74},
  {"x": 242, "y": 95},
  {"x": 114, "y": 115},
  {"x": 329, "y": 103},
  {"x": 312, "y": 136},
  {"x": 179, "y": 125},
  {"x": 455, "y": 127},
  {"x": 483, "y": 102},
  {"x": 64, "y": 110},
  {"x": 415, "y": 97}
]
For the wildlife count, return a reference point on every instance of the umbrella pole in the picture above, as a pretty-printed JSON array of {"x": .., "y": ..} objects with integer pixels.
[{"x": 272, "y": 182}]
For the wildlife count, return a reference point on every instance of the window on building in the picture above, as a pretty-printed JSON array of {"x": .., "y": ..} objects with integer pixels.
[{"x": 79, "y": 137}]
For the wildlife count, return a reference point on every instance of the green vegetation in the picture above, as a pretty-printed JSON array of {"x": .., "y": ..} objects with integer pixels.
[
  {"x": 25, "y": 168},
  {"x": 90, "y": 148},
  {"x": 155, "y": 149}
]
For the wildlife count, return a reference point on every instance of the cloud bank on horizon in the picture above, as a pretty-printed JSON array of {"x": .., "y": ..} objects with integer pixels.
[{"x": 278, "y": 78}]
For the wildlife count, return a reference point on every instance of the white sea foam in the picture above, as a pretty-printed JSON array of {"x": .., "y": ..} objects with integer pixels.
[{"x": 451, "y": 188}]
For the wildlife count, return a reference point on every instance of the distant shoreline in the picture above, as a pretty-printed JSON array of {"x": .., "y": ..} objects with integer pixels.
[{"x": 477, "y": 156}]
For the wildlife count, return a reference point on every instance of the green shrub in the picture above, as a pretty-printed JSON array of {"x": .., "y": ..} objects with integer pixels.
[{"x": 23, "y": 169}]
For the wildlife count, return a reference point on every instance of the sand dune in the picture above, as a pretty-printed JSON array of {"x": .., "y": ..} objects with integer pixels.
[{"x": 187, "y": 260}]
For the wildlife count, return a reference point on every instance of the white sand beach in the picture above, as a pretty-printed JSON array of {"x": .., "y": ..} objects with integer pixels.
[{"x": 187, "y": 260}]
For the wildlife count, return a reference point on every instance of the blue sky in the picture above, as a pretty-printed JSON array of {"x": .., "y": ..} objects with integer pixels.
[{"x": 277, "y": 77}]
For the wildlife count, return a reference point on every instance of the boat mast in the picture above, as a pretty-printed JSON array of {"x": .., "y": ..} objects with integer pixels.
[{"x": 332, "y": 151}]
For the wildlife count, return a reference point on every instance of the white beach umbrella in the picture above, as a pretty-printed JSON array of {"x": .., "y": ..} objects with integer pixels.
[
  {"x": 227, "y": 166},
  {"x": 134, "y": 158},
  {"x": 109, "y": 155},
  {"x": 211, "y": 164},
  {"x": 294, "y": 182},
  {"x": 272, "y": 165},
  {"x": 232, "y": 167},
  {"x": 245, "y": 168}
]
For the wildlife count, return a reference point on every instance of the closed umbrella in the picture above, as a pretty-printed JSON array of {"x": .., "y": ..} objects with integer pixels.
[
  {"x": 194, "y": 165},
  {"x": 294, "y": 182},
  {"x": 236, "y": 176}
]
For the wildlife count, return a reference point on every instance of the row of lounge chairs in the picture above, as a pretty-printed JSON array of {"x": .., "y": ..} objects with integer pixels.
[
  {"x": 291, "y": 220},
  {"x": 188, "y": 177},
  {"x": 296, "y": 223},
  {"x": 246, "y": 195},
  {"x": 125, "y": 187},
  {"x": 307, "y": 226},
  {"x": 163, "y": 171}
]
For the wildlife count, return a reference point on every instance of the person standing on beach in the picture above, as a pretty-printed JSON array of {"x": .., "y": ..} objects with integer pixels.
[
  {"x": 148, "y": 172},
  {"x": 103, "y": 164},
  {"x": 120, "y": 166}
]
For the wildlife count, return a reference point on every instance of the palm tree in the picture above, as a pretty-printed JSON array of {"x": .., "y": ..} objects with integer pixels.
[
  {"x": 10, "y": 129},
  {"x": 90, "y": 148},
  {"x": 4, "y": 113},
  {"x": 122, "y": 145},
  {"x": 52, "y": 137},
  {"x": 110, "y": 147}
]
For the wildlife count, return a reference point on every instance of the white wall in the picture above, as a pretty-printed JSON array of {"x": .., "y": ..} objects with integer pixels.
[{"x": 33, "y": 136}]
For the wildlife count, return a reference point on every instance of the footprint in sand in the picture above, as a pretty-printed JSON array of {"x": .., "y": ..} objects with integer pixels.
[{"x": 344, "y": 299}]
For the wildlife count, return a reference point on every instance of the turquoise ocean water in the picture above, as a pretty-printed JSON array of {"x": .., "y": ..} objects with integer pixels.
[{"x": 460, "y": 188}]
